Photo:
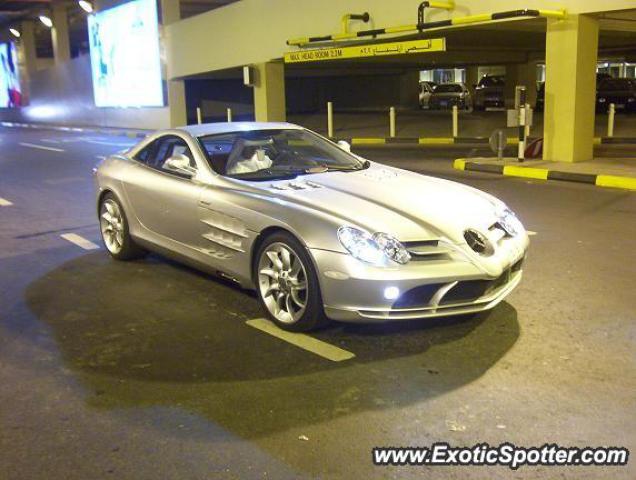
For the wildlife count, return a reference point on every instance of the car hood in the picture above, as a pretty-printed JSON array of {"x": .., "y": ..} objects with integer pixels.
[{"x": 410, "y": 206}]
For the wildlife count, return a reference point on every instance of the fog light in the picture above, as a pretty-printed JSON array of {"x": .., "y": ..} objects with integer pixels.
[{"x": 391, "y": 293}]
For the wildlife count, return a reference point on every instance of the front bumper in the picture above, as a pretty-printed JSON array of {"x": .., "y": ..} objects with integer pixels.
[{"x": 354, "y": 292}]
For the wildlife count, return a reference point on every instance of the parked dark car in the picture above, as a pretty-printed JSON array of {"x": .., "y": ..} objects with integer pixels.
[
  {"x": 539, "y": 105},
  {"x": 540, "y": 102},
  {"x": 489, "y": 92},
  {"x": 446, "y": 95},
  {"x": 619, "y": 91}
]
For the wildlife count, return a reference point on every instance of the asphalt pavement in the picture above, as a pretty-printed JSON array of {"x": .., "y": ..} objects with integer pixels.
[{"x": 149, "y": 369}]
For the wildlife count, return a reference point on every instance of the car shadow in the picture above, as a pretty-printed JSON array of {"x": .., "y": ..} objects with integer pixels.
[{"x": 153, "y": 333}]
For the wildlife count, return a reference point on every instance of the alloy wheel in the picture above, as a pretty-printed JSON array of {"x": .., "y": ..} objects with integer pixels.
[
  {"x": 282, "y": 281},
  {"x": 112, "y": 226}
]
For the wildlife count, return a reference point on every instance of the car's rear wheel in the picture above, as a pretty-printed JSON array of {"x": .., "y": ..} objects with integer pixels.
[
  {"x": 114, "y": 229},
  {"x": 287, "y": 284}
]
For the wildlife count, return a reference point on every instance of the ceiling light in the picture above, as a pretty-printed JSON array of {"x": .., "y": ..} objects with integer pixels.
[
  {"x": 15, "y": 32},
  {"x": 86, "y": 6},
  {"x": 46, "y": 20}
]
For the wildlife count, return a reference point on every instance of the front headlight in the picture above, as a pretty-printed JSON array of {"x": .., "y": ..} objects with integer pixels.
[
  {"x": 509, "y": 221},
  {"x": 374, "y": 249}
]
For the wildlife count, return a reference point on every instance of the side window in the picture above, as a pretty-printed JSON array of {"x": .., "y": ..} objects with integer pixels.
[
  {"x": 218, "y": 148},
  {"x": 145, "y": 154},
  {"x": 157, "y": 153}
]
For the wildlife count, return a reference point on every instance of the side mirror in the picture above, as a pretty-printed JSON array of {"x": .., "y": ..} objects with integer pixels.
[
  {"x": 344, "y": 145},
  {"x": 179, "y": 163}
]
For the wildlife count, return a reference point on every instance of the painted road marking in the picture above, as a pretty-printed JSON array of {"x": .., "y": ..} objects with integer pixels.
[
  {"x": 50, "y": 140},
  {"x": 41, "y": 147},
  {"x": 59, "y": 181},
  {"x": 5, "y": 203},
  {"x": 80, "y": 241},
  {"x": 300, "y": 340},
  {"x": 101, "y": 157},
  {"x": 104, "y": 142},
  {"x": 531, "y": 233}
]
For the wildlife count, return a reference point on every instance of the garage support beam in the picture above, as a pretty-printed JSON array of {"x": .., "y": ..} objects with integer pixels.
[
  {"x": 170, "y": 13},
  {"x": 409, "y": 88},
  {"x": 269, "y": 92},
  {"x": 27, "y": 46},
  {"x": 59, "y": 33},
  {"x": 472, "y": 77},
  {"x": 570, "y": 88},
  {"x": 521, "y": 74}
]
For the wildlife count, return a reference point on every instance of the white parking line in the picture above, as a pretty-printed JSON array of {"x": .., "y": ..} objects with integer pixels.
[
  {"x": 50, "y": 140},
  {"x": 101, "y": 157},
  {"x": 313, "y": 345},
  {"x": 41, "y": 147},
  {"x": 79, "y": 241},
  {"x": 530, "y": 233},
  {"x": 5, "y": 203}
]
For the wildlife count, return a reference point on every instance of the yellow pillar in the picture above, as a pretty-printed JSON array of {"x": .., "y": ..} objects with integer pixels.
[
  {"x": 521, "y": 74},
  {"x": 26, "y": 45},
  {"x": 59, "y": 33},
  {"x": 472, "y": 77},
  {"x": 269, "y": 92},
  {"x": 28, "y": 58},
  {"x": 171, "y": 12},
  {"x": 570, "y": 88}
]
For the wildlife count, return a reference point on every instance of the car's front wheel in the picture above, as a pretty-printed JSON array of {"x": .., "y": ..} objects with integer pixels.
[
  {"x": 287, "y": 284},
  {"x": 113, "y": 226}
]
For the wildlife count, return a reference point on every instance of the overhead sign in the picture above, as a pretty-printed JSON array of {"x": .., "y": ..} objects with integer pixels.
[{"x": 410, "y": 47}]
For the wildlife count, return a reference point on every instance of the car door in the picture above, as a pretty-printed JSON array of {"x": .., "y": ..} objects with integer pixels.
[{"x": 165, "y": 201}]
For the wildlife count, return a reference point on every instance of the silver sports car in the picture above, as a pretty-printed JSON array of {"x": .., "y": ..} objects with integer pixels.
[{"x": 319, "y": 232}]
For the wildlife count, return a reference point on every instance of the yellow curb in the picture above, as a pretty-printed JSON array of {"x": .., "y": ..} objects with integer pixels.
[
  {"x": 526, "y": 172},
  {"x": 436, "y": 141},
  {"x": 361, "y": 141},
  {"x": 627, "y": 183},
  {"x": 459, "y": 164}
]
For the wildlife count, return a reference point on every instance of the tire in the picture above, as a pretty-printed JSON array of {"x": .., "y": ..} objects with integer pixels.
[
  {"x": 279, "y": 280},
  {"x": 114, "y": 230}
]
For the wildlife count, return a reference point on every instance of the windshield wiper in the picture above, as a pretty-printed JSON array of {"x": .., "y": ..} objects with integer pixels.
[{"x": 335, "y": 168}]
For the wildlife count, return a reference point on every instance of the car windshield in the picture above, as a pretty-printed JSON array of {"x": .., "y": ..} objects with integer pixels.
[
  {"x": 616, "y": 84},
  {"x": 269, "y": 154},
  {"x": 448, "y": 88},
  {"x": 491, "y": 82}
]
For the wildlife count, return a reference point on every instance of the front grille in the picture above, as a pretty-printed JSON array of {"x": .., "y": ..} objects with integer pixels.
[
  {"x": 465, "y": 291},
  {"x": 471, "y": 290}
]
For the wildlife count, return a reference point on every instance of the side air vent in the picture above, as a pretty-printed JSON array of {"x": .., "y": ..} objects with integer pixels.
[{"x": 427, "y": 249}]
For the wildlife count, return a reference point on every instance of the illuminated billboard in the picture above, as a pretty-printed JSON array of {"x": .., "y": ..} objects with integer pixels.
[
  {"x": 125, "y": 62},
  {"x": 10, "y": 92}
]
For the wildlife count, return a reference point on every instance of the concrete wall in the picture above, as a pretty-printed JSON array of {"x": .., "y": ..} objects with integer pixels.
[
  {"x": 63, "y": 94},
  {"x": 254, "y": 31},
  {"x": 352, "y": 92}
]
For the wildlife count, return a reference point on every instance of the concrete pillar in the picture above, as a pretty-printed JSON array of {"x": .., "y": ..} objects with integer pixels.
[
  {"x": 59, "y": 33},
  {"x": 177, "y": 103},
  {"x": 521, "y": 74},
  {"x": 269, "y": 92},
  {"x": 170, "y": 13},
  {"x": 26, "y": 46},
  {"x": 472, "y": 77},
  {"x": 410, "y": 89},
  {"x": 570, "y": 88}
]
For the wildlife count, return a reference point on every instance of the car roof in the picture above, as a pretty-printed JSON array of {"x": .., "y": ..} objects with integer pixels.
[{"x": 204, "y": 129}]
